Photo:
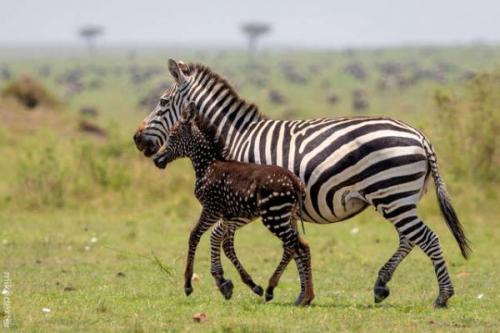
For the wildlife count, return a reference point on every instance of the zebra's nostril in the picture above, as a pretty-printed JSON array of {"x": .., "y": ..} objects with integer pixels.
[{"x": 137, "y": 138}]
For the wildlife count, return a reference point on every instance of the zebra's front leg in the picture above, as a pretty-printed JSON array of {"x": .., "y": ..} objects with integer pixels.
[
  {"x": 380, "y": 290},
  {"x": 206, "y": 220},
  {"x": 216, "y": 237},
  {"x": 228, "y": 247}
]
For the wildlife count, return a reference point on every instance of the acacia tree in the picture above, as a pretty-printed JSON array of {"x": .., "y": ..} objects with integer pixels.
[
  {"x": 89, "y": 34},
  {"x": 253, "y": 31}
]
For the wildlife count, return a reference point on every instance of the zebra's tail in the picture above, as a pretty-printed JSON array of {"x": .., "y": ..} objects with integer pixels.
[{"x": 447, "y": 209}]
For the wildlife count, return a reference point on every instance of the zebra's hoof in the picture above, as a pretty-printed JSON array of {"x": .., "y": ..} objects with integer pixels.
[
  {"x": 441, "y": 304},
  {"x": 258, "y": 290},
  {"x": 381, "y": 293},
  {"x": 188, "y": 290},
  {"x": 226, "y": 288}
]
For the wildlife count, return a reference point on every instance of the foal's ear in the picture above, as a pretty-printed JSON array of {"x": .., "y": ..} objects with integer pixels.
[
  {"x": 179, "y": 70},
  {"x": 188, "y": 113}
]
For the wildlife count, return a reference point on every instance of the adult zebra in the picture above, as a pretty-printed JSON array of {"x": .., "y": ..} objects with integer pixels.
[{"x": 347, "y": 164}]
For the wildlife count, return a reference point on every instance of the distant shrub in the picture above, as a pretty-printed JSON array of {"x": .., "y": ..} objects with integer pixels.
[
  {"x": 103, "y": 166},
  {"x": 470, "y": 127},
  {"x": 54, "y": 173},
  {"x": 42, "y": 178},
  {"x": 30, "y": 93}
]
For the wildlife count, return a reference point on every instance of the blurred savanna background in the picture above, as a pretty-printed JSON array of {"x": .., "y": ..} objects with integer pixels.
[{"x": 93, "y": 236}]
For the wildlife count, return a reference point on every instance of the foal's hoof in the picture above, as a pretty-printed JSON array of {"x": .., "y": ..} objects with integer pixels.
[
  {"x": 381, "y": 293},
  {"x": 226, "y": 288},
  {"x": 300, "y": 300},
  {"x": 258, "y": 290},
  {"x": 188, "y": 290},
  {"x": 269, "y": 294}
]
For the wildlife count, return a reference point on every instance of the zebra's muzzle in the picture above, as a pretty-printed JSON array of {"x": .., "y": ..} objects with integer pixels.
[{"x": 147, "y": 146}]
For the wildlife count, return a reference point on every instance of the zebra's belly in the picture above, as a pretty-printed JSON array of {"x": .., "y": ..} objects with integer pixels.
[
  {"x": 337, "y": 159},
  {"x": 351, "y": 208}
]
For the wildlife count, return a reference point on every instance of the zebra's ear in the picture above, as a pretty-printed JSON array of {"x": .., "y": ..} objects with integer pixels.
[
  {"x": 178, "y": 70},
  {"x": 188, "y": 113}
]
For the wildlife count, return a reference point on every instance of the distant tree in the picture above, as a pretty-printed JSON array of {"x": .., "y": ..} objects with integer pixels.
[
  {"x": 89, "y": 33},
  {"x": 254, "y": 30}
]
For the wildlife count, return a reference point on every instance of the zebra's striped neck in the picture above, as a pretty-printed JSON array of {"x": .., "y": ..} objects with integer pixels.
[{"x": 220, "y": 105}]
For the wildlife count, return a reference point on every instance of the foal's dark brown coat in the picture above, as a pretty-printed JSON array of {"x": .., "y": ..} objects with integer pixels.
[{"x": 234, "y": 192}]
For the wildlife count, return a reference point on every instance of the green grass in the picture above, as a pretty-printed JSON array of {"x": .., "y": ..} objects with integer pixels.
[
  {"x": 92, "y": 231},
  {"x": 50, "y": 251}
]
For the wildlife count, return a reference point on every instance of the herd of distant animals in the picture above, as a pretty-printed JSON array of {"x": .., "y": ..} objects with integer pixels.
[{"x": 343, "y": 164}]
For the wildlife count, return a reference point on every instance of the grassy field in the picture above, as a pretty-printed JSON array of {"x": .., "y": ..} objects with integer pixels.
[{"x": 93, "y": 237}]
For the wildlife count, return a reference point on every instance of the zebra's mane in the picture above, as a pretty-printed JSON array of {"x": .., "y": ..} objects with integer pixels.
[
  {"x": 210, "y": 133},
  {"x": 196, "y": 68}
]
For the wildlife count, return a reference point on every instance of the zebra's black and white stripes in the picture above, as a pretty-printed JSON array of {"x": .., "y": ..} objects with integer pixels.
[{"x": 346, "y": 164}]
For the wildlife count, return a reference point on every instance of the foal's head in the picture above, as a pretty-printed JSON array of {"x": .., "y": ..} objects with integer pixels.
[{"x": 191, "y": 137}]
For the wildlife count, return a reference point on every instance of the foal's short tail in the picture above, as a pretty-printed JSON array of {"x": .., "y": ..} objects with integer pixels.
[
  {"x": 447, "y": 210},
  {"x": 300, "y": 191}
]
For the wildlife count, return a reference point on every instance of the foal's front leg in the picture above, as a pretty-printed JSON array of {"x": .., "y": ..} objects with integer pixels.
[
  {"x": 205, "y": 221},
  {"x": 216, "y": 237},
  {"x": 228, "y": 247}
]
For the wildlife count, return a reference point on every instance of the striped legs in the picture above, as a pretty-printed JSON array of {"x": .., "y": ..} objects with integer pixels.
[
  {"x": 281, "y": 227},
  {"x": 216, "y": 237},
  {"x": 273, "y": 281},
  {"x": 223, "y": 232},
  {"x": 416, "y": 232},
  {"x": 380, "y": 290},
  {"x": 205, "y": 221},
  {"x": 285, "y": 260},
  {"x": 228, "y": 247}
]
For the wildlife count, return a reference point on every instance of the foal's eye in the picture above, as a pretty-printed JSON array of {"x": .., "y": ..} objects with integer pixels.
[{"x": 163, "y": 102}]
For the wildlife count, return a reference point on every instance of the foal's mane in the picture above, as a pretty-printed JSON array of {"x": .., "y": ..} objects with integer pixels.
[{"x": 210, "y": 133}]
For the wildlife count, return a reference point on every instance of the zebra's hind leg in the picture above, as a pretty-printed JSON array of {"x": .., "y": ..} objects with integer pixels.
[
  {"x": 228, "y": 247},
  {"x": 225, "y": 286},
  {"x": 380, "y": 290},
  {"x": 418, "y": 233}
]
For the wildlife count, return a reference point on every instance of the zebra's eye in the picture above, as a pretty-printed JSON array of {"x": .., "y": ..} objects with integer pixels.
[{"x": 163, "y": 102}]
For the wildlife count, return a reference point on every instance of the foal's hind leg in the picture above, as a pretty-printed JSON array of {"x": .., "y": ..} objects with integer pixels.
[
  {"x": 273, "y": 281},
  {"x": 285, "y": 260},
  {"x": 280, "y": 225},
  {"x": 228, "y": 247},
  {"x": 380, "y": 289}
]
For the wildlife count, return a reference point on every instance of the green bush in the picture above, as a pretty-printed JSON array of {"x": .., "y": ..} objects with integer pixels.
[
  {"x": 469, "y": 128},
  {"x": 42, "y": 178},
  {"x": 53, "y": 173}
]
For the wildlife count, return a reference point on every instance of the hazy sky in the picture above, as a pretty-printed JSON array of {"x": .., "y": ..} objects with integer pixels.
[{"x": 216, "y": 22}]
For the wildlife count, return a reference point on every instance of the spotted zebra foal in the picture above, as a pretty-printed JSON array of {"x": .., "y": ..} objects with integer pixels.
[{"x": 235, "y": 193}]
